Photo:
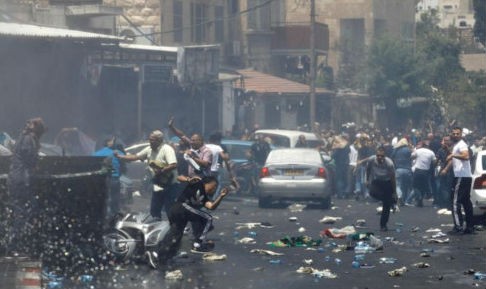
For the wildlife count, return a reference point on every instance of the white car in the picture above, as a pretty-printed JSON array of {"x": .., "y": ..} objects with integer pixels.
[
  {"x": 288, "y": 138},
  {"x": 478, "y": 186},
  {"x": 297, "y": 174}
]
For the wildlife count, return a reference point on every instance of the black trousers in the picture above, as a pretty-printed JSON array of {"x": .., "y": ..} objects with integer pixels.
[
  {"x": 383, "y": 191},
  {"x": 461, "y": 195},
  {"x": 179, "y": 215}
]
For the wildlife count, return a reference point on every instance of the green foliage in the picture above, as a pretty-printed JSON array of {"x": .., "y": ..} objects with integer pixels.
[
  {"x": 393, "y": 70},
  {"x": 439, "y": 52},
  {"x": 466, "y": 100},
  {"x": 353, "y": 66}
]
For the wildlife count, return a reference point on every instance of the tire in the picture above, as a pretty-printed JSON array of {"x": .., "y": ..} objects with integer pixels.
[
  {"x": 326, "y": 203},
  {"x": 119, "y": 243},
  {"x": 263, "y": 202}
]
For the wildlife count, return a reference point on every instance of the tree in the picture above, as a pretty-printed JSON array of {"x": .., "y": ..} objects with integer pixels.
[
  {"x": 480, "y": 17},
  {"x": 465, "y": 100},
  {"x": 437, "y": 50},
  {"x": 393, "y": 76}
]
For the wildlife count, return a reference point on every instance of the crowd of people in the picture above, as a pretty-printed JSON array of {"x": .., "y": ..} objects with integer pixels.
[{"x": 397, "y": 168}]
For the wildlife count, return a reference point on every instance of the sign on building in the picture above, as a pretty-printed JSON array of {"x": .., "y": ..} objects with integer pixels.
[
  {"x": 157, "y": 73},
  {"x": 197, "y": 64}
]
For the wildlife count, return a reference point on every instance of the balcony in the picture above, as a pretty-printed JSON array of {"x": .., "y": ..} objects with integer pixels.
[{"x": 294, "y": 39}]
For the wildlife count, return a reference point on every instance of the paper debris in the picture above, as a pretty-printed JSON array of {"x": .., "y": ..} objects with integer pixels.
[
  {"x": 174, "y": 275},
  {"x": 266, "y": 252}
]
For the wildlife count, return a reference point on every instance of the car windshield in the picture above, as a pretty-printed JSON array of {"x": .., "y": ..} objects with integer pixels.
[
  {"x": 294, "y": 156},
  {"x": 237, "y": 151}
]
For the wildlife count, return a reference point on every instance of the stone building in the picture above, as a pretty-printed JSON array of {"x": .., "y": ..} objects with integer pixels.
[
  {"x": 354, "y": 23},
  {"x": 457, "y": 13}
]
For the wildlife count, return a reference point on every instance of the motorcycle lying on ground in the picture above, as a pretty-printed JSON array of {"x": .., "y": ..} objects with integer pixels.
[{"x": 133, "y": 234}]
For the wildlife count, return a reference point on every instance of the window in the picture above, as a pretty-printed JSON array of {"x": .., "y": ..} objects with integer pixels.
[
  {"x": 178, "y": 23},
  {"x": 258, "y": 15},
  {"x": 198, "y": 22},
  {"x": 219, "y": 24}
]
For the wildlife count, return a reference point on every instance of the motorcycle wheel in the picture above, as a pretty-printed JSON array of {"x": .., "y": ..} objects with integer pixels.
[{"x": 119, "y": 243}]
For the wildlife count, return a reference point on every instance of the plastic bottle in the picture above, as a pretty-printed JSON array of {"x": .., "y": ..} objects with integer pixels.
[
  {"x": 362, "y": 248},
  {"x": 355, "y": 264},
  {"x": 480, "y": 276},
  {"x": 86, "y": 278},
  {"x": 387, "y": 260},
  {"x": 54, "y": 284},
  {"x": 252, "y": 233},
  {"x": 275, "y": 261},
  {"x": 327, "y": 258},
  {"x": 359, "y": 257},
  {"x": 337, "y": 261}
]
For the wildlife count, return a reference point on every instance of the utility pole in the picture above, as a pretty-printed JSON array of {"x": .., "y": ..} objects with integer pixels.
[{"x": 312, "y": 98}]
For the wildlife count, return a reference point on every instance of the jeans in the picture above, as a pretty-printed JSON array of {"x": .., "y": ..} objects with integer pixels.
[
  {"x": 341, "y": 181},
  {"x": 114, "y": 196},
  {"x": 160, "y": 199},
  {"x": 404, "y": 182},
  {"x": 360, "y": 187}
]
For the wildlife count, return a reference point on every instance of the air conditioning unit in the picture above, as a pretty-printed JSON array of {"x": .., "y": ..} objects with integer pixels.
[{"x": 140, "y": 35}]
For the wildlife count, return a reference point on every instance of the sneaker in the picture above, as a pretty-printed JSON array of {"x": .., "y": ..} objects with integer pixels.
[
  {"x": 201, "y": 248},
  {"x": 469, "y": 231},
  {"x": 187, "y": 229},
  {"x": 152, "y": 259},
  {"x": 455, "y": 231}
]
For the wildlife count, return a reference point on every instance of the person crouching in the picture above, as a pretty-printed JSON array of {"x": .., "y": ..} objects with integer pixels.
[{"x": 188, "y": 208}]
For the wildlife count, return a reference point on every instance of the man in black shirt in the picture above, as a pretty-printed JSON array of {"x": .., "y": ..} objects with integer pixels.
[
  {"x": 260, "y": 150},
  {"x": 188, "y": 208}
]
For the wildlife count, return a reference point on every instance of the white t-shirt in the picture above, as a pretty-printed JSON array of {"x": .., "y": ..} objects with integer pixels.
[
  {"x": 461, "y": 168},
  {"x": 353, "y": 156},
  {"x": 424, "y": 158},
  {"x": 215, "y": 150}
]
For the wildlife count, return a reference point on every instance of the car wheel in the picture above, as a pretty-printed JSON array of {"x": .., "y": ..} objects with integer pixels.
[
  {"x": 264, "y": 202},
  {"x": 326, "y": 203}
]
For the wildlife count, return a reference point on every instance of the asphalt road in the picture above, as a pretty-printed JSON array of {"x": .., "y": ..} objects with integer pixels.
[{"x": 406, "y": 241}]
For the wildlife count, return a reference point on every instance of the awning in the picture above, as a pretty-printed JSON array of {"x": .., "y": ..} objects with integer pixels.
[
  {"x": 153, "y": 48},
  {"x": 254, "y": 81},
  {"x": 37, "y": 31}
]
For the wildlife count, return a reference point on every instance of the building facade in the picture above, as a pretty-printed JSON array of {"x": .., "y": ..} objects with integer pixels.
[{"x": 457, "y": 13}]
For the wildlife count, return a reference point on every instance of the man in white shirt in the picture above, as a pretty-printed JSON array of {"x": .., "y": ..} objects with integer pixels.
[
  {"x": 424, "y": 160},
  {"x": 162, "y": 164},
  {"x": 461, "y": 186}
]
